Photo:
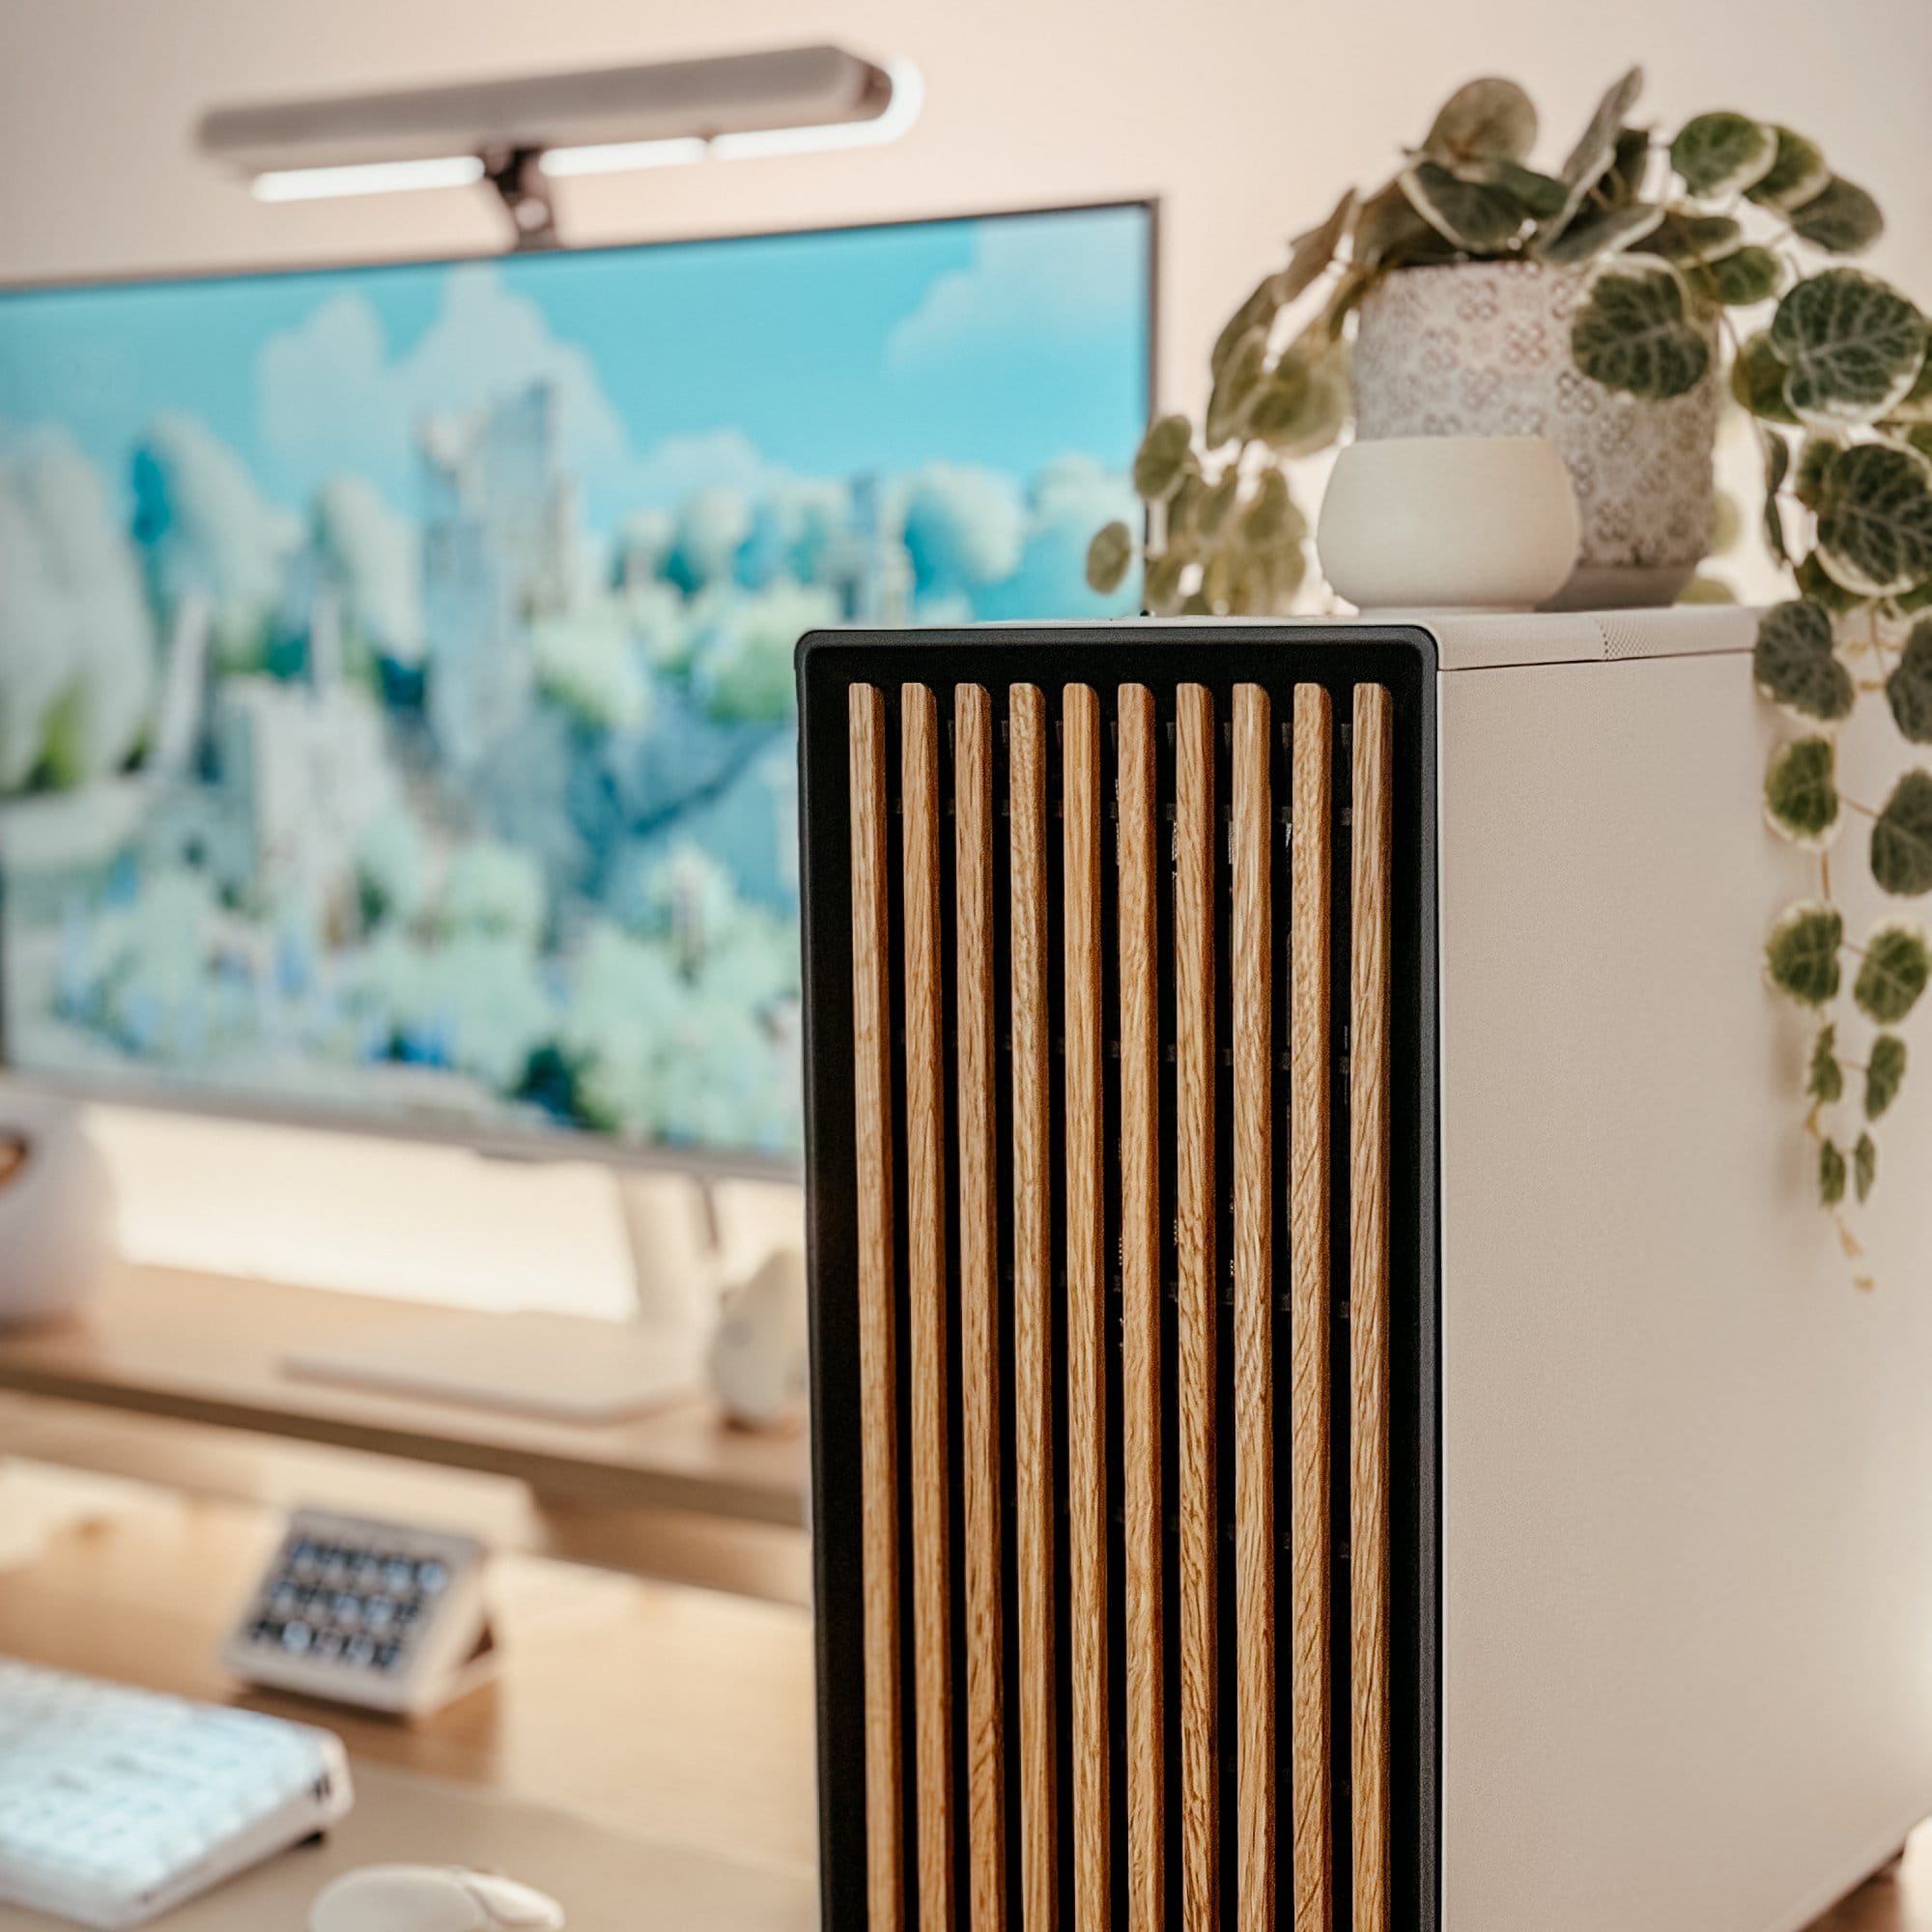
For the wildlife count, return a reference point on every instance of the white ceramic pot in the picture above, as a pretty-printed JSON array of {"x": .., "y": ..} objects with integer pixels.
[
  {"x": 1482, "y": 522},
  {"x": 1483, "y": 348}
]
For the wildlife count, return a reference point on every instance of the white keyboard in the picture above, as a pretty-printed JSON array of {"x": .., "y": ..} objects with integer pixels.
[{"x": 116, "y": 1804}]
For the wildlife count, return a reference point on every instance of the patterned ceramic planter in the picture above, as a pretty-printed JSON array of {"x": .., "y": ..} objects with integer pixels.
[{"x": 1483, "y": 348}]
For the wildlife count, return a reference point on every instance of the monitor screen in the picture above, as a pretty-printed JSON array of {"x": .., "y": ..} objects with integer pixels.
[{"x": 396, "y": 704}]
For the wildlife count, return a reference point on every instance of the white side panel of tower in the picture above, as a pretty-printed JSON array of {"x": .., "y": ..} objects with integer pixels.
[{"x": 1688, "y": 1465}]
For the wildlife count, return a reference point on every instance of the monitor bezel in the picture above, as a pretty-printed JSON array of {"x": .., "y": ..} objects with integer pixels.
[{"x": 504, "y": 1142}]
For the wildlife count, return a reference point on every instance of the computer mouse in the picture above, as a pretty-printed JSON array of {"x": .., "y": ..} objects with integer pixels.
[{"x": 431, "y": 1898}]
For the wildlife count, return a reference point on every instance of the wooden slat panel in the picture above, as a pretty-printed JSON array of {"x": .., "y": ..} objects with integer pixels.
[
  {"x": 926, "y": 1305},
  {"x": 1086, "y": 1308},
  {"x": 1251, "y": 965},
  {"x": 1369, "y": 1304},
  {"x": 1032, "y": 1314},
  {"x": 1194, "y": 854},
  {"x": 978, "y": 1311},
  {"x": 1139, "y": 1277},
  {"x": 878, "y": 1342},
  {"x": 1309, "y": 1049}
]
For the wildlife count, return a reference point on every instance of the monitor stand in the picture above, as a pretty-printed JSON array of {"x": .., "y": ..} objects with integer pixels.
[{"x": 560, "y": 1368}]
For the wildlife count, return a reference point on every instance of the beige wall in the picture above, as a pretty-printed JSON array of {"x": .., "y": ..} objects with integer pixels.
[{"x": 1245, "y": 118}]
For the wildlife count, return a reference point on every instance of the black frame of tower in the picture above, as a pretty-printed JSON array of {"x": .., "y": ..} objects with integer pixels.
[{"x": 1160, "y": 656}]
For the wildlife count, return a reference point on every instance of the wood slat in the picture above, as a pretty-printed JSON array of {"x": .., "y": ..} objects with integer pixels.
[
  {"x": 1195, "y": 824},
  {"x": 1310, "y": 1804},
  {"x": 1251, "y": 966},
  {"x": 1086, "y": 1308},
  {"x": 1032, "y": 1314},
  {"x": 1369, "y": 1304},
  {"x": 979, "y": 1306},
  {"x": 927, "y": 1291},
  {"x": 1140, "y": 1280},
  {"x": 878, "y": 1342}
]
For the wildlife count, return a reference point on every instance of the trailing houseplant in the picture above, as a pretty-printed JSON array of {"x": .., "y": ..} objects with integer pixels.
[{"x": 1725, "y": 243}]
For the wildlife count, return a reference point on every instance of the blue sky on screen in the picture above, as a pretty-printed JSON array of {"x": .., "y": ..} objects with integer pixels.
[{"x": 1000, "y": 342}]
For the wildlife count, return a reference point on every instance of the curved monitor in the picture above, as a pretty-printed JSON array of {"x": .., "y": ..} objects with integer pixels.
[{"x": 396, "y": 702}]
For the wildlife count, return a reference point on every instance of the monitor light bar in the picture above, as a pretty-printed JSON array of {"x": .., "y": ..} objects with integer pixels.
[
  {"x": 367, "y": 178},
  {"x": 791, "y": 101}
]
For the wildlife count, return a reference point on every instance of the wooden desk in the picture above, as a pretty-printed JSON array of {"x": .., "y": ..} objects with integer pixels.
[
  {"x": 646, "y": 1752},
  {"x": 209, "y": 1350}
]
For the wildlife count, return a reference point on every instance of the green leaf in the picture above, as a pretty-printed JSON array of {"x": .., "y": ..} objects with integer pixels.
[
  {"x": 1801, "y": 954},
  {"x": 1304, "y": 405},
  {"x": 1801, "y": 792},
  {"x": 1816, "y": 585},
  {"x": 1893, "y": 973},
  {"x": 1885, "y": 1074},
  {"x": 1830, "y": 1174},
  {"x": 1258, "y": 312},
  {"x": 1312, "y": 250},
  {"x": 1211, "y": 512},
  {"x": 1600, "y": 231},
  {"x": 1272, "y": 519},
  {"x": 1842, "y": 219},
  {"x": 1826, "y": 1081},
  {"x": 1266, "y": 578},
  {"x": 1632, "y": 332},
  {"x": 1540, "y": 194},
  {"x": 1797, "y": 174},
  {"x": 1162, "y": 590},
  {"x": 1901, "y": 841},
  {"x": 1163, "y": 458},
  {"x": 1236, "y": 384},
  {"x": 1909, "y": 687},
  {"x": 1777, "y": 464},
  {"x": 1309, "y": 255},
  {"x": 1852, "y": 345},
  {"x": 1625, "y": 178},
  {"x": 1741, "y": 279},
  {"x": 1757, "y": 380},
  {"x": 1477, "y": 219},
  {"x": 1598, "y": 150},
  {"x": 1795, "y": 665},
  {"x": 1875, "y": 520},
  {"x": 1695, "y": 238},
  {"x": 1724, "y": 153},
  {"x": 1181, "y": 509},
  {"x": 1865, "y": 1166},
  {"x": 1915, "y": 406},
  {"x": 1108, "y": 559},
  {"x": 1487, "y": 120},
  {"x": 1388, "y": 232},
  {"x": 1814, "y": 465}
]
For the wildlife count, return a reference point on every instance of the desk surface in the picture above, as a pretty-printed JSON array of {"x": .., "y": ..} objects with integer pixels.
[
  {"x": 610, "y": 1882},
  {"x": 645, "y": 1750},
  {"x": 210, "y": 1349},
  {"x": 646, "y": 1753}
]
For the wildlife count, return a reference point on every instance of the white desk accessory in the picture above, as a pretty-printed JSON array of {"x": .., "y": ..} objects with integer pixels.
[
  {"x": 563, "y": 1368},
  {"x": 430, "y": 1898},
  {"x": 56, "y": 1207},
  {"x": 383, "y": 1615},
  {"x": 759, "y": 1352},
  {"x": 119, "y": 1804}
]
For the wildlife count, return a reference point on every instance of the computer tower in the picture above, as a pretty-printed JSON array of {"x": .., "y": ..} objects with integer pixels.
[{"x": 1335, "y": 1402}]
